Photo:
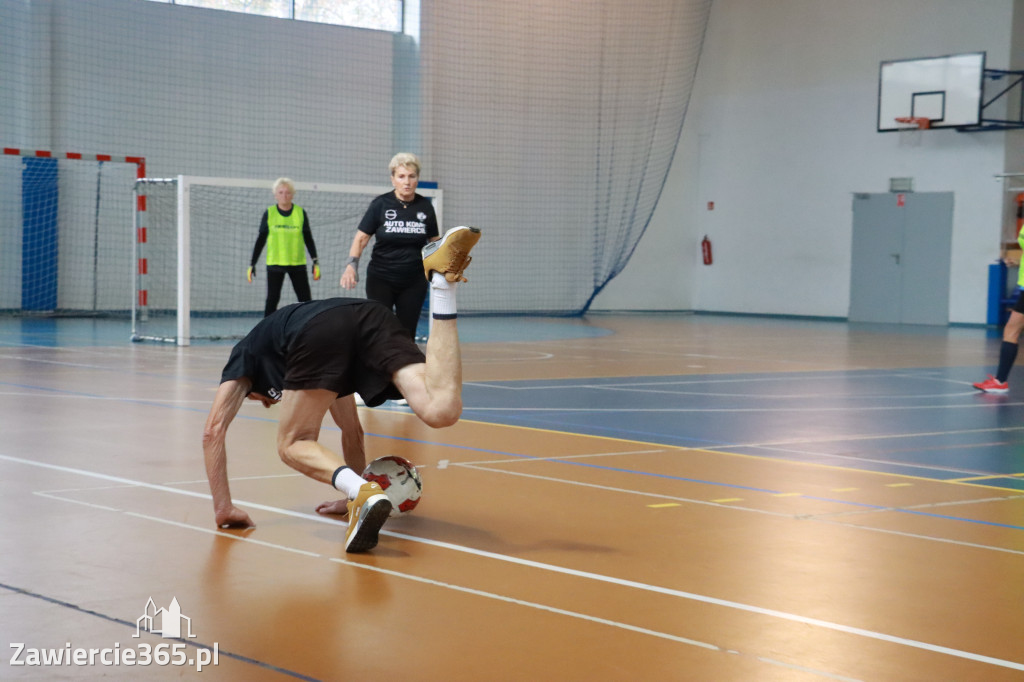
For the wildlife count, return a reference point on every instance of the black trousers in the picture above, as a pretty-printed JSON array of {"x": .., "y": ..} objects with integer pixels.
[
  {"x": 406, "y": 299},
  {"x": 275, "y": 280}
]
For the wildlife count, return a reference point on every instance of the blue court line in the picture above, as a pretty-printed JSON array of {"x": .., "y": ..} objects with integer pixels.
[
  {"x": 667, "y": 477},
  {"x": 192, "y": 643},
  {"x": 502, "y": 453}
]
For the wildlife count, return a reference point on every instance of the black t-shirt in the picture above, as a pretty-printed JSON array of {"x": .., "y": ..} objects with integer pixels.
[
  {"x": 339, "y": 344},
  {"x": 260, "y": 356},
  {"x": 402, "y": 230}
]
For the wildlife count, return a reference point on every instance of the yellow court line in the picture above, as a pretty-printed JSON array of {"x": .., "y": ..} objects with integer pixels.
[
  {"x": 761, "y": 458},
  {"x": 985, "y": 478}
]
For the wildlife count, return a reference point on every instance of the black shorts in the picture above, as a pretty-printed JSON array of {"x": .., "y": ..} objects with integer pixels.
[
  {"x": 1018, "y": 304},
  {"x": 343, "y": 345},
  {"x": 352, "y": 348}
]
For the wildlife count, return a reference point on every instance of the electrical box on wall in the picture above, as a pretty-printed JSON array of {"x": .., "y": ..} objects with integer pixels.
[{"x": 901, "y": 184}]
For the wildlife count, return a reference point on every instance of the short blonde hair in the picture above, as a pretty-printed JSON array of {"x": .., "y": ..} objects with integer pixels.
[
  {"x": 287, "y": 182},
  {"x": 404, "y": 159}
]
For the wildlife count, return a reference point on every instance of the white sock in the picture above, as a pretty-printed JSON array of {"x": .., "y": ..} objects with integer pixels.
[
  {"x": 347, "y": 481},
  {"x": 442, "y": 298}
]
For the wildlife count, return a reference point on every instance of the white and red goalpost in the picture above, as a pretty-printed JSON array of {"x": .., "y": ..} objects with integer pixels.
[
  {"x": 66, "y": 237},
  {"x": 197, "y": 243}
]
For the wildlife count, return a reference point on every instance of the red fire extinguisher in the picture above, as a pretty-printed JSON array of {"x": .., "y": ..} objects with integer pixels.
[{"x": 705, "y": 249}]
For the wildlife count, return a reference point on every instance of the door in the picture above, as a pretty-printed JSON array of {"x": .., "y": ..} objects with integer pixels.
[{"x": 900, "y": 258}]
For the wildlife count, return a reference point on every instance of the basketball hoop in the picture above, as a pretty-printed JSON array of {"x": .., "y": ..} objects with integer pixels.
[
  {"x": 921, "y": 122},
  {"x": 910, "y": 129}
]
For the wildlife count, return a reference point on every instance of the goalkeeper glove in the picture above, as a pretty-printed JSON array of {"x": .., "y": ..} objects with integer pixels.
[
  {"x": 316, "y": 270},
  {"x": 250, "y": 274}
]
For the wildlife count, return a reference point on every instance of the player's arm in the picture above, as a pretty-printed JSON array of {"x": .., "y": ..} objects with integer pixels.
[
  {"x": 226, "y": 404},
  {"x": 351, "y": 274},
  {"x": 433, "y": 229},
  {"x": 261, "y": 241},
  {"x": 307, "y": 237}
]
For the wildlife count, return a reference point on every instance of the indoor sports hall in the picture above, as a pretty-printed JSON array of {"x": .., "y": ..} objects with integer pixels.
[{"x": 741, "y": 266}]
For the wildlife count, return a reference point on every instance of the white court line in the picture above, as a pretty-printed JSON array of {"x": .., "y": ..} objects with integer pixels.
[
  {"x": 820, "y": 518},
  {"x": 881, "y": 436},
  {"x": 457, "y": 588},
  {"x": 612, "y": 383},
  {"x": 621, "y": 582},
  {"x": 735, "y": 410},
  {"x": 559, "y": 458},
  {"x": 583, "y": 616}
]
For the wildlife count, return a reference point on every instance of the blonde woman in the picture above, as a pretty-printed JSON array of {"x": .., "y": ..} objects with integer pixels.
[
  {"x": 284, "y": 230},
  {"x": 403, "y": 223}
]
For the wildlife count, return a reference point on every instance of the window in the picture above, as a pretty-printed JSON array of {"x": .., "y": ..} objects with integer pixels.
[{"x": 383, "y": 15}]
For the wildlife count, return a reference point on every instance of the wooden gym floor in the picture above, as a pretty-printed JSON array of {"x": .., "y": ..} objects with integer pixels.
[{"x": 664, "y": 497}]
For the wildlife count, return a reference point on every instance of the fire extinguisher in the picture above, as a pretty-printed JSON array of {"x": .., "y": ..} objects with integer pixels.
[{"x": 705, "y": 249}]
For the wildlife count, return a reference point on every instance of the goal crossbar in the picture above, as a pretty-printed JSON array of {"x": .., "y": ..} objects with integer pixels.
[{"x": 185, "y": 185}]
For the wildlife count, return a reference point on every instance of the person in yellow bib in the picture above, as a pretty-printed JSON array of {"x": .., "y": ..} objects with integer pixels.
[{"x": 285, "y": 231}]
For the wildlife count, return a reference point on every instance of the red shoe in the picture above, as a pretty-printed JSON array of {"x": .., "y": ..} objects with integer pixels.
[{"x": 992, "y": 385}]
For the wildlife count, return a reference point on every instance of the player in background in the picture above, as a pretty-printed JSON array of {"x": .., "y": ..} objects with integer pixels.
[
  {"x": 1011, "y": 339},
  {"x": 403, "y": 223},
  {"x": 312, "y": 356},
  {"x": 284, "y": 229}
]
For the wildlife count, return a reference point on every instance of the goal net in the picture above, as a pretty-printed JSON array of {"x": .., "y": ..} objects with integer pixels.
[
  {"x": 65, "y": 234},
  {"x": 194, "y": 242}
]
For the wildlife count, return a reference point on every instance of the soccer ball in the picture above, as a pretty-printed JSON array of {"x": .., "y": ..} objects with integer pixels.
[{"x": 400, "y": 481}]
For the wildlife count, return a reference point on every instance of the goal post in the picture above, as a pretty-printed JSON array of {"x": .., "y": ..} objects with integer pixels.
[
  {"x": 65, "y": 232},
  {"x": 194, "y": 243}
]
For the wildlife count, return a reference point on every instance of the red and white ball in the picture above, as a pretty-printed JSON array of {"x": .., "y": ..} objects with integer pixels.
[{"x": 400, "y": 481}]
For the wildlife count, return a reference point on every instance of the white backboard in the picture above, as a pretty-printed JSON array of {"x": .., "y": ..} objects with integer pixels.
[{"x": 946, "y": 90}]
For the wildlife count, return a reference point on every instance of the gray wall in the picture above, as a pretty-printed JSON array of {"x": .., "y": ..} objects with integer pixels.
[
  {"x": 781, "y": 132},
  {"x": 552, "y": 125},
  {"x": 197, "y": 91}
]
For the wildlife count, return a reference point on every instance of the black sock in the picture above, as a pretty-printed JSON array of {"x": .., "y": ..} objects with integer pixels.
[{"x": 1007, "y": 356}]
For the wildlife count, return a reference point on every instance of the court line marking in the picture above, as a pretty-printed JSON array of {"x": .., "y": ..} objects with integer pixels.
[
  {"x": 451, "y": 586},
  {"x": 583, "y": 616},
  {"x": 725, "y": 603},
  {"x": 708, "y": 448},
  {"x": 864, "y": 506},
  {"x": 660, "y": 446},
  {"x": 188, "y": 642},
  {"x": 713, "y": 410},
  {"x": 825, "y": 517},
  {"x": 728, "y": 453}
]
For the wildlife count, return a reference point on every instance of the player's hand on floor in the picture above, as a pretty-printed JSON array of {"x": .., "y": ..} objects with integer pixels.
[
  {"x": 339, "y": 507},
  {"x": 234, "y": 518}
]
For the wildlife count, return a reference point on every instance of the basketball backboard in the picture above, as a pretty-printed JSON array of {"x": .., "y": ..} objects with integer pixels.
[{"x": 945, "y": 90}]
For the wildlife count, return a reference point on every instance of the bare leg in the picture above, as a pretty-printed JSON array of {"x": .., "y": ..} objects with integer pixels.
[
  {"x": 343, "y": 410},
  {"x": 302, "y": 413},
  {"x": 434, "y": 388},
  {"x": 1014, "y": 325}
]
